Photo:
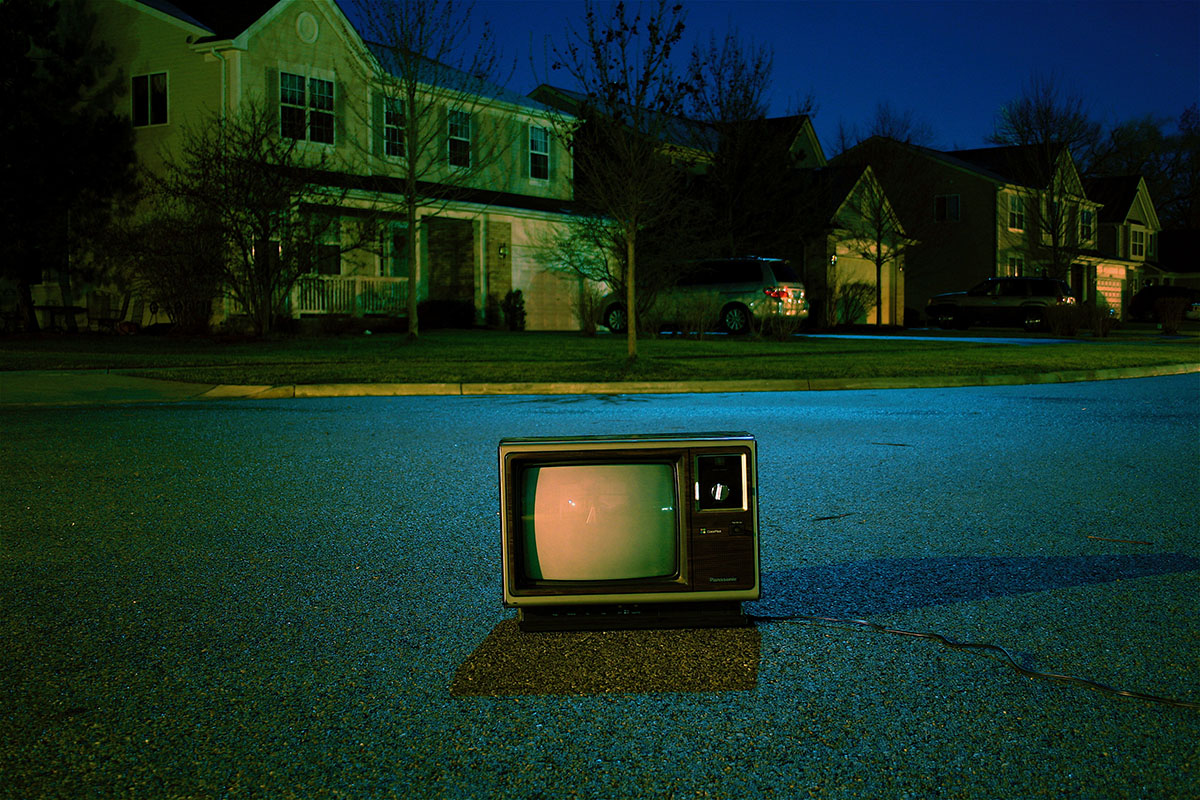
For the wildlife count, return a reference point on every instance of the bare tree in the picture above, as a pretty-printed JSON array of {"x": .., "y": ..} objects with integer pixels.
[
  {"x": 1043, "y": 129},
  {"x": 633, "y": 94},
  {"x": 747, "y": 183},
  {"x": 266, "y": 201},
  {"x": 1169, "y": 161},
  {"x": 433, "y": 78},
  {"x": 887, "y": 122}
]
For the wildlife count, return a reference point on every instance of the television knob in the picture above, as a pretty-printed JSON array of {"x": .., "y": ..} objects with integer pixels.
[{"x": 719, "y": 492}]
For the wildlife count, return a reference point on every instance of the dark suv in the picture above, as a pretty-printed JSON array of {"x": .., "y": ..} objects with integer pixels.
[
  {"x": 1020, "y": 302},
  {"x": 742, "y": 291}
]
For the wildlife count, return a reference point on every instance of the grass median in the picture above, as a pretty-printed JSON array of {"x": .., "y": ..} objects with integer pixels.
[{"x": 500, "y": 357}]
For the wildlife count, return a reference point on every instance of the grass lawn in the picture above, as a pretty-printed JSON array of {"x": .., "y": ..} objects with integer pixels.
[{"x": 499, "y": 356}]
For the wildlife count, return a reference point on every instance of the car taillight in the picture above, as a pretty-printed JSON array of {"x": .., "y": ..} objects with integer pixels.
[{"x": 776, "y": 292}]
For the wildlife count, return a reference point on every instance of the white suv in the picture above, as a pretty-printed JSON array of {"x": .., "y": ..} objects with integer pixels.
[{"x": 746, "y": 289}]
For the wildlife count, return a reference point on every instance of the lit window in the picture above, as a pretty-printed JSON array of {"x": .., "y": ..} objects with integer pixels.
[
  {"x": 1016, "y": 212},
  {"x": 149, "y": 99},
  {"x": 459, "y": 134},
  {"x": 539, "y": 153},
  {"x": 305, "y": 108},
  {"x": 946, "y": 208},
  {"x": 1016, "y": 266}
]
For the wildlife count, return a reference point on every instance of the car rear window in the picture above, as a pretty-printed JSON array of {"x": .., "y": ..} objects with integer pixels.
[{"x": 784, "y": 272}]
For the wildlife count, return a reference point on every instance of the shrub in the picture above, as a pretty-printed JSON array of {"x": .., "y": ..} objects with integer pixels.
[
  {"x": 779, "y": 328},
  {"x": 693, "y": 314},
  {"x": 1062, "y": 320},
  {"x": 1170, "y": 311},
  {"x": 586, "y": 307},
  {"x": 1100, "y": 319},
  {"x": 513, "y": 307}
]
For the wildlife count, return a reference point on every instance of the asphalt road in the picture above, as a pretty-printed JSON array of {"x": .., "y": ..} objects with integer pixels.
[{"x": 300, "y": 598}]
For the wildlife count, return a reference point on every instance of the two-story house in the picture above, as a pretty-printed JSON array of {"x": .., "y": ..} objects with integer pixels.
[
  {"x": 329, "y": 90},
  {"x": 985, "y": 213}
]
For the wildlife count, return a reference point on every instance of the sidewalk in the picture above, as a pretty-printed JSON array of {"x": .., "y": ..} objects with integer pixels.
[{"x": 96, "y": 387}]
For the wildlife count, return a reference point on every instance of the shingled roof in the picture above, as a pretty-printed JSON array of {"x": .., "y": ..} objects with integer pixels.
[
  {"x": 226, "y": 19},
  {"x": 1117, "y": 193}
]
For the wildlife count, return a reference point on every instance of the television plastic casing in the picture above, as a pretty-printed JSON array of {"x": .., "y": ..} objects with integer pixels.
[{"x": 715, "y": 534}]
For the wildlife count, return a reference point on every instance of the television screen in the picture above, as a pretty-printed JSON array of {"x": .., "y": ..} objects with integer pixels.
[{"x": 599, "y": 522}]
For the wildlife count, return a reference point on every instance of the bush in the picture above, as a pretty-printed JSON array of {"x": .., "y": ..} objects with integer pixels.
[
  {"x": 1170, "y": 311},
  {"x": 587, "y": 308},
  {"x": 1100, "y": 319},
  {"x": 1062, "y": 320},
  {"x": 513, "y": 307},
  {"x": 693, "y": 314},
  {"x": 779, "y": 328}
]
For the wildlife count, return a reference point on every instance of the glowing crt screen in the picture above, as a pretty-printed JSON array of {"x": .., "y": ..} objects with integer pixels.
[{"x": 595, "y": 522}]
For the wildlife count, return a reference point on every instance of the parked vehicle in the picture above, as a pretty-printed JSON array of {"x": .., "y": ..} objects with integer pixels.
[
  {"x": 1144, "y": 306},
  {"x": 1000, "y": 301},
  {"x": 744, "y": 290}
]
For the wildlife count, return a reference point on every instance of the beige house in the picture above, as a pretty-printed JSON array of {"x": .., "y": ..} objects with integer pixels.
[{"x": 501, "y": 181}]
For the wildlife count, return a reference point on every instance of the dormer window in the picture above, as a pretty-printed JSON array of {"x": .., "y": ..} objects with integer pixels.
[
  {"x": 1137, "y": 243},
  {"x": 1087, "y": 223}
]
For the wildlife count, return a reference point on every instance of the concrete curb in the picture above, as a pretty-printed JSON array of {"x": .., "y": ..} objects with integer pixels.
[{"x": 680, "y": 387}]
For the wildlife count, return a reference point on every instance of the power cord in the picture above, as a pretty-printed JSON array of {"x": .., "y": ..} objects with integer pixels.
[{"x": 937, "y": 637}]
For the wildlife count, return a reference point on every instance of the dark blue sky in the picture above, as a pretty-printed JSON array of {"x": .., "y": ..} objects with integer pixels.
[{"x": 951, "y": 62}]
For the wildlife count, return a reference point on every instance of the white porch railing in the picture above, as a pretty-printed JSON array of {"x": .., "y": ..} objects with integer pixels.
[{"x": 349, "y": 294}]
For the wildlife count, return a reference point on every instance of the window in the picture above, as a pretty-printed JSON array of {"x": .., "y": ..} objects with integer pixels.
[
  {"x": 305, "y": 108},
  {"x": 1087, "y": 224},
  {"x": 1016, "y": 266},
  {"x": 1016, "y": 213},
  {"x": 149, "y": 99},
  {"x": 459, "y": 133},
  {"x": 1137, "y": 243},
  {"x": 393, "y": 126},
  {"x": 946, "y": 208},
  {"x": 539, "y": 153}
]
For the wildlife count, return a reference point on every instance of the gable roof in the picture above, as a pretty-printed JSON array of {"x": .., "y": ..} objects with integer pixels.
[
  {"x": 1023, "y": 165},
  {"x": 1118, "y": 193},
  {"x": 225, "y": 19}
]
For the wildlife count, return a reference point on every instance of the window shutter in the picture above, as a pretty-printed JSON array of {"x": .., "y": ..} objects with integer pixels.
[
  {"x": 339, "y": 114},
  {"x": 377, "y": 123},
  {"x": 525, "y": 134},
  {"x": 551, "y": 152},
  {"x": 472, "y": 121},
  {"x": 443, "y": 138},
  {"x": 273, "y": 98}
]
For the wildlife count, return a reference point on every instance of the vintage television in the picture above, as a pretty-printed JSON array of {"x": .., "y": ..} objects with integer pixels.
[{"x": 629, "y": 531}]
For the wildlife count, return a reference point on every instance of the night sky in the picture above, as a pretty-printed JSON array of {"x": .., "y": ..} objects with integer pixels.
[{"x": 950, "y": 62}]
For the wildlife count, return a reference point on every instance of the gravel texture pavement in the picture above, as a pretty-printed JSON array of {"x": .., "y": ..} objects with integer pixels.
[{"x": 300, "y": 598}]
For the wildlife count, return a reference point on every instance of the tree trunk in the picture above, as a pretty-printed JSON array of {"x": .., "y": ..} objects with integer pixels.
[{"x": 631, "y": 294}]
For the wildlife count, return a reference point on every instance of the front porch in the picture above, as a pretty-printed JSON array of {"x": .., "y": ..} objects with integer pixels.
[{"x": 354, "y": 295}]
